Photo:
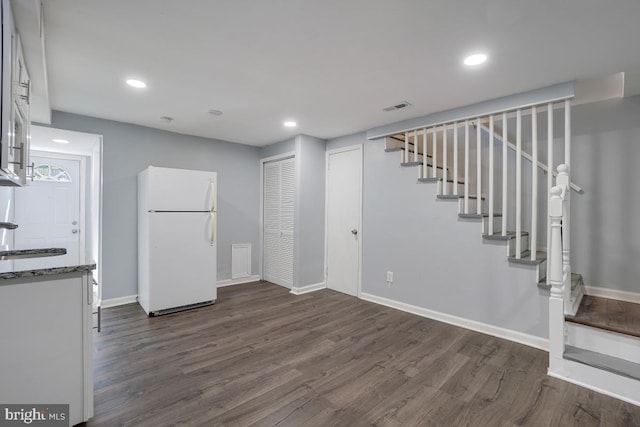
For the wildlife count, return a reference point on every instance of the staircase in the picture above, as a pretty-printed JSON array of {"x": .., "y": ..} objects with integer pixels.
[
  {"x": 512, "y": 210},
  {"x": 429, "y": 151}
]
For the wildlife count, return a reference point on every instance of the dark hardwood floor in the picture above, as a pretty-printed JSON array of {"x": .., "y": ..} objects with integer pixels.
[
  {"x": 264, "y": 357},
  {"x": 609, "y": 314}
]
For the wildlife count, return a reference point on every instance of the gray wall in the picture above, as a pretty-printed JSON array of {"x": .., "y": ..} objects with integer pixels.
[
  {"x": 128, "y": 149},
  {"x": 309, "y": 219},
  {"x": 605, "y": 231},
  {"x": 439, "y": 262},
  {"x": 288, "y": 146}
]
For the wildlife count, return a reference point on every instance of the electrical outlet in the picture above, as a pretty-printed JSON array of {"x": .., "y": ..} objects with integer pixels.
[{"x": 389, "y": 276}]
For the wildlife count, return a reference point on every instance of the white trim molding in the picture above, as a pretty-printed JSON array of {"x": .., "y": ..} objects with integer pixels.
[
  {"x": 596, "y": 291},
  {"x": 238, "y": 281},
  {"x": 114, "y": 302},
  {"x": 308, "y": 288},
  {"x": 496, "y": 331}
]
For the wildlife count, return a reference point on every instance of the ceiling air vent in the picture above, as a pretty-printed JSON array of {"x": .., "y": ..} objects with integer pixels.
[{"x": 403, "y": 104}]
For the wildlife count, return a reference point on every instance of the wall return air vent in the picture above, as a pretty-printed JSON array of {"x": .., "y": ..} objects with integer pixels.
[{"x": 403, "y": 104}]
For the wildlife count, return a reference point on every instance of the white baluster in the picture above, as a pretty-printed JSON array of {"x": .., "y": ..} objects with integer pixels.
[
  {"x": 518, "y": 184},
  {"x": 406, "y": 147},
  {"x": 424, "y": 153},
  {"x": 533, "y": 237},
  {"x": 455, "y": 158},
  {"x": 466, "y": 166},
  {"x": 490, "y": 231},
  {"x": 434, "y": 149},
  {"x": 478, "y": 168},
  {"x": 415, "y": 145},
  {"x": 555, "y": 273},
  {"x": 445, "y": 184},
  {"x": 504, "y": 173},
  {"x": 550, "y": 170},
  {"x": 566, "y": 219}
]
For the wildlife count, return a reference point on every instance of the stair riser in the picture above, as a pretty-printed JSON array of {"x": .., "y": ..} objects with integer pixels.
[
  {"x": 449, "y": 186},
  {"x": 497, "y": 224},
  {"x": 541, "y": 271},
  {"x": 610, "y": 343},
  {"x": 511, "y": 250},
  {"x": 473, "y": 205}
]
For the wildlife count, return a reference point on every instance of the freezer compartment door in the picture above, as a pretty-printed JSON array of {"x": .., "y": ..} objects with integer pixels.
[
  {"x": 182, "y": 260},
  {"x": 180, "y": 190}
]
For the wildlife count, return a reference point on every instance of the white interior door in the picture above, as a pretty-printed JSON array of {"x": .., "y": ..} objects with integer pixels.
[
  {"x": 278, "y": 221},
  {"x": 344, "y": 189},
  {"x": 48, "y": 212}
]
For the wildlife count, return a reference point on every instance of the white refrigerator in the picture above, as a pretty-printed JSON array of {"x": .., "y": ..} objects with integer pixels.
[{"x": 176, "y": 239}]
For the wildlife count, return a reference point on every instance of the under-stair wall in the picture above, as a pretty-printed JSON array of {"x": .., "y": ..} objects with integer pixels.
[{"x": 442, "y": 267}]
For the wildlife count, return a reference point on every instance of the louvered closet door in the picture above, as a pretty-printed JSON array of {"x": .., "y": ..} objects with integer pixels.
[{"x": 278, "y": 205}]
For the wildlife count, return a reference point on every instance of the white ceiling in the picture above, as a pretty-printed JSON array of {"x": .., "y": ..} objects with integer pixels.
[{"x": 331, "y": 65}]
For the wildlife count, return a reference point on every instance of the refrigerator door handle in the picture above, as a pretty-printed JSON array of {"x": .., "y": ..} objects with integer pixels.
[
  {"x": 212, "y": 228},
  {"x": 212, "y": 195}
]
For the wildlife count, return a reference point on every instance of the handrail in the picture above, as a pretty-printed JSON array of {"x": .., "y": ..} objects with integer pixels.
[{"x": 528, "y": 156}]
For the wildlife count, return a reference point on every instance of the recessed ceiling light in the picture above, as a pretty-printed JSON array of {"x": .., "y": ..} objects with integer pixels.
[
  {"x": 166, "y": 119},
  {"x": 475, "y": 59},
  {"x": 60, "y": 141},
  {"x": 290, "y": 124},
  {"x": 215, "y": 112},
  {"x": 136, "y": 83}
]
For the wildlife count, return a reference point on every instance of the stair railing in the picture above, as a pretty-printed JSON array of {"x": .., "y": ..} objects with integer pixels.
[
  {"x": 428, "y": 147},
  {"x": 559, "y": 270}
]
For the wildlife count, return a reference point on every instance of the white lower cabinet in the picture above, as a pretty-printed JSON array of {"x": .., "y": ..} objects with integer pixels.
[{"x": 46, "y": 342}]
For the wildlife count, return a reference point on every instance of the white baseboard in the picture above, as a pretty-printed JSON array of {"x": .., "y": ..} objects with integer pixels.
[
  {"x": 597, "y": 291},
  {"x": 238, "y": 281},
  {"x": 308, "y": 288},
  {"x": 519, "y": 337},
  {"x": 114, "y": 302}
]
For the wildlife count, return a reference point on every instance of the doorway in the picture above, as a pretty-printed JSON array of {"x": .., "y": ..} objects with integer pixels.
[
  {"x": 51, "y": 210},
  {"x": 65, "y": 144},
  {"x": 344, "y": 219}
]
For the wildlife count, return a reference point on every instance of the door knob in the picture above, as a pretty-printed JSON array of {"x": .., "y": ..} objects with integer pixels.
[
  {"x": 74, "y": 223},
  {"x": 354, "y": 232},
  {"x": 74, "y": 231}
]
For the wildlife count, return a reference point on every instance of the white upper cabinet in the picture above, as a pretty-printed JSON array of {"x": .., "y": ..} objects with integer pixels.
[{"x": 15, "y": 169}]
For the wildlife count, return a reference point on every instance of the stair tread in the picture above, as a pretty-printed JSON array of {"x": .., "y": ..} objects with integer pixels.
[
  {"x": 510, "y": 235},
  {"x": 576, "y": 278},
  {"x": 437, "y": 179},
  {"x": 475, "y": 215},
  {"x": 526, "y": 258},
  {"x": 622, "y": 317},
  {"x": 417, "y": 163},
  {"x": 603, "y": 361},
  {"x": 460, "y": 197},
  {"x": 391, "y": 150}
]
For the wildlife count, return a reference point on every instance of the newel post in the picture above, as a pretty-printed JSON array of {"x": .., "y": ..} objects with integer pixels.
[
  {"x": 562, "y": 181},
  {"x": 556, "y": 275}
]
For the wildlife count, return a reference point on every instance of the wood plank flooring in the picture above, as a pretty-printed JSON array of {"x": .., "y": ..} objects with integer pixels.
[
  {"x": 609, "y": 314},
  {"x": 264, "y": 357}
]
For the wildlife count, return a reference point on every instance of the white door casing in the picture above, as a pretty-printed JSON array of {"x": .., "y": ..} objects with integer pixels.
[
  {"x": 51, "y": 214},
  {"x": 343, "y": 218},
  {"x": 278, "y": 221}
]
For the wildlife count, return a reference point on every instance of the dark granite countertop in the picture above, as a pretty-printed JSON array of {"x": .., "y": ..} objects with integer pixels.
[{"x": 41, "y": 262}]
